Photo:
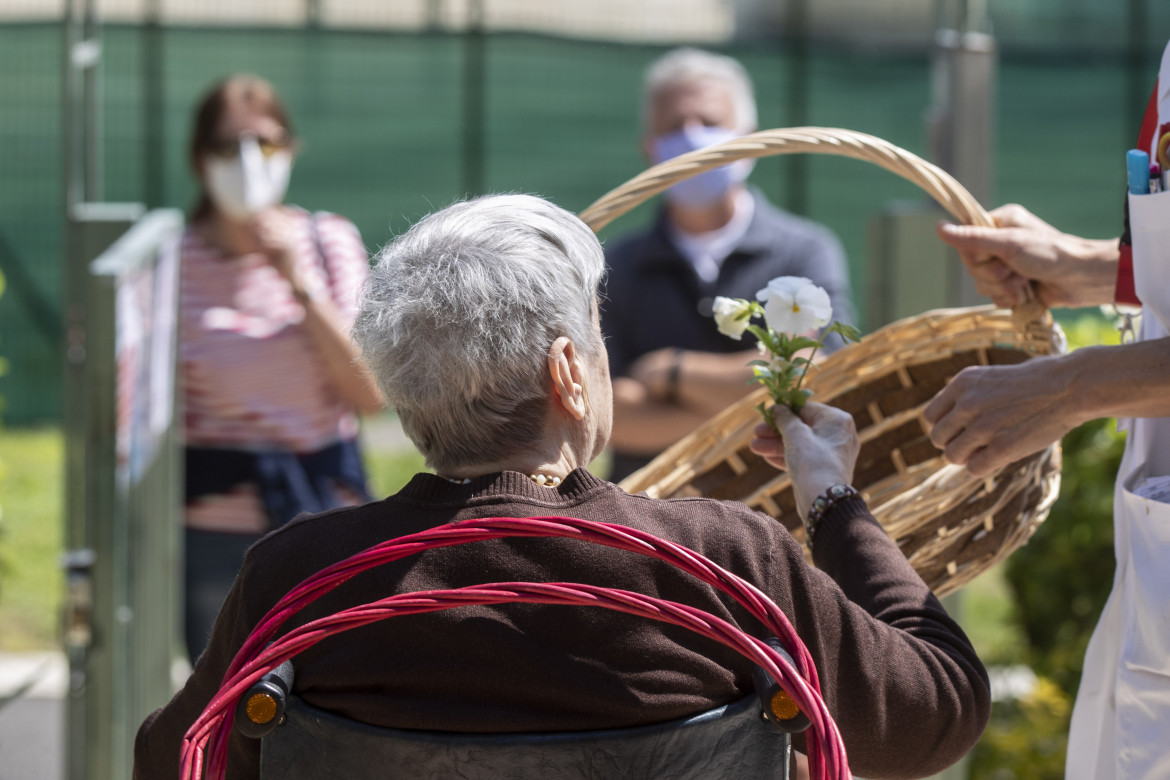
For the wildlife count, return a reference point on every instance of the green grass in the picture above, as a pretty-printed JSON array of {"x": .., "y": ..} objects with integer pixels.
[
  {"x": 389, "y": 471},
  {"x": 987, "y": 614},
  {"x": 30, "y": 538}
]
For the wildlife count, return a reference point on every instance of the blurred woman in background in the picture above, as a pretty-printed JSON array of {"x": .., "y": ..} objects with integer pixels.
[{"x": 271, "y": 380}]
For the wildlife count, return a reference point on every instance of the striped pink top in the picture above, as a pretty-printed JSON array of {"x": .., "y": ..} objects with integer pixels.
[{"x": 251, "y": 379}]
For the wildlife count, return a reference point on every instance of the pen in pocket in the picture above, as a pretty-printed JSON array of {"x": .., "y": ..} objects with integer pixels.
[{"x": 1137, "y": 165}]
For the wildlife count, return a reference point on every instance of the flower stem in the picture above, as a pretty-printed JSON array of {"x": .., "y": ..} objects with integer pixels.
[
  {"x": 803, "y": 373},
  {"x": 766, "y": 412}
]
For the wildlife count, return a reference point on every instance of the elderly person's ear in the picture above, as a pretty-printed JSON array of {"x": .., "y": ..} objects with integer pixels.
[{"x": 567, "y": 373}]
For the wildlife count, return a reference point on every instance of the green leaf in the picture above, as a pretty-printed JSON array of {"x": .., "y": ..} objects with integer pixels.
[
  {"x": 791, "y": 373},
  {"x": 847, "y": 332},
  {"x": 760, "y": 334},
  {"x": 796, "y": 398}
]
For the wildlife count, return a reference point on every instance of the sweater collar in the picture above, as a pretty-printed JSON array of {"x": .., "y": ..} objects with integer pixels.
[{"x": 511, "y": 485}]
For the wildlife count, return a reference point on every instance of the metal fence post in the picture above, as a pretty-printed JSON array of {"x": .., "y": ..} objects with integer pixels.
[
  {"x": 153, "y": 76},
  {"x": 474, "y": 86},
  {"x": 961, "y": 123},
  {"x": 796, "y": 166},
  {"x": 122, "y": 554},
  {"x": 90, "y": 228}
]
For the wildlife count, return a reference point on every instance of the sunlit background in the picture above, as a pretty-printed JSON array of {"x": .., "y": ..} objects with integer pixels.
[{"x": 402, "y": 106}]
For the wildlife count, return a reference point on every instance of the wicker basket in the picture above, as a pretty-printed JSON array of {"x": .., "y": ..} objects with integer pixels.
[{"x": 951, "y": 526}]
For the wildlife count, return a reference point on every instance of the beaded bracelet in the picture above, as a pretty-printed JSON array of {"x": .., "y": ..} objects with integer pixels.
[{"x": 823, "y": 503}]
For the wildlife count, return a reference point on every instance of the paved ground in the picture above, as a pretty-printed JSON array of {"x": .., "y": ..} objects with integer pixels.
[{"x": 32, "y": 725}]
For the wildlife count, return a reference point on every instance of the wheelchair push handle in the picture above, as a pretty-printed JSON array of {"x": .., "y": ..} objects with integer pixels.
[
  {"x": 775, "y": 703},
  {"x": 261, "y": 708}
]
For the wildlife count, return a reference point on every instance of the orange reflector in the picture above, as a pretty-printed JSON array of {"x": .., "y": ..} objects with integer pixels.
[
  {"x": 261, "y": 708},
  {"x": 783, "y": 707}
]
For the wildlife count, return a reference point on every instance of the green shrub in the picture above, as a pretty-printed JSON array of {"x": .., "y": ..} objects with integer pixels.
[
  {"x": 1026, "y": 738},
  {"x": 1062, "y": 578}
]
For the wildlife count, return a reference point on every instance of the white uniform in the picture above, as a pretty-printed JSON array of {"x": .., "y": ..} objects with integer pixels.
[{"x": 1121, "y": 721}]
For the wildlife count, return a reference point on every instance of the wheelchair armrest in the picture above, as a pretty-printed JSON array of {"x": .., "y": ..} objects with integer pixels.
[
  {"x": 777, "y": 706},
  {"x": 261, "y": 708}
]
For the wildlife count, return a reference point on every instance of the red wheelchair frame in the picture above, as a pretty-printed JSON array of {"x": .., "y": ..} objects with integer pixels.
[{"x": 259, "y": 654}]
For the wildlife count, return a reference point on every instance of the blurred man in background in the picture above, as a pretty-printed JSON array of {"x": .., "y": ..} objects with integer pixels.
[{"x": 714, "y": 236}]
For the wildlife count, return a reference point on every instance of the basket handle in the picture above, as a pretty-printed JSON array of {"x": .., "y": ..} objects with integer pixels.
[{"x": 937, "y": 183}]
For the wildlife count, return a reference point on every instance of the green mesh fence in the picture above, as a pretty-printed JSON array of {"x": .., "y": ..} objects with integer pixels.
[
  {"x": 30, "y": 220},
  {"x": 390, "y": 130}
]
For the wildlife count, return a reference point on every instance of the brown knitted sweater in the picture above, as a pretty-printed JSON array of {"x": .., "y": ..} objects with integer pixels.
[{"x": 899, "y": 676}]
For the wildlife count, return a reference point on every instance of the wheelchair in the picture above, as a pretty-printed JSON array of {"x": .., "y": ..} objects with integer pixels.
[{"x": 748, "y": 738}]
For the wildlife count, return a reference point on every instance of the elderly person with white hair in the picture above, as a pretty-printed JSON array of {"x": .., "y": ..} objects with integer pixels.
[
  {"x": 481, "y": 326},
  {"x": 714, "y": 236}
]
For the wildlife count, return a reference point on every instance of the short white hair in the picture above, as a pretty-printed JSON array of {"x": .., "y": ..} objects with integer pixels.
[
  {"x": 688, "y": 65},
  {"x": 458, "y": 315}
]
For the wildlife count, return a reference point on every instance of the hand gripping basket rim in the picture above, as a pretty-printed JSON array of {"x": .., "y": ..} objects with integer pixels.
[{"x": 951, "y": 525}]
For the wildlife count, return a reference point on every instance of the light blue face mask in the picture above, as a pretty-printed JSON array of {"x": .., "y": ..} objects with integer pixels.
[{"x": 707, "y": 188}]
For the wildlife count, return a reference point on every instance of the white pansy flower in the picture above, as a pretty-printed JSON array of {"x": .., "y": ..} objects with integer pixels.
[
  {"x": 793, "y": 308},
  {"x": 731, "y": 316},
  {"x": 794, "y": 305}
]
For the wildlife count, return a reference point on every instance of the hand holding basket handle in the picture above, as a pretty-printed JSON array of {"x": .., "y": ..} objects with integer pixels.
[
  {"x": 951, "y": 524},
  {"x": 1025, "y": 256}
]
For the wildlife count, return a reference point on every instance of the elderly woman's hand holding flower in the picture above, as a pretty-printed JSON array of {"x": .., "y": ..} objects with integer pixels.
[{"x": 791, "y": 306}]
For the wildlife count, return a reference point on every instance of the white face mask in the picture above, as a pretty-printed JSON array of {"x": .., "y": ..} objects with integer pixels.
[{"x": 248, "y": 183}]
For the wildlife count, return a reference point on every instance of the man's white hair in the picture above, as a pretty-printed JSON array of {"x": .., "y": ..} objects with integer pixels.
[
  {"x": 688, "y": 65},
  {"x": 458, "y": 315}
]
